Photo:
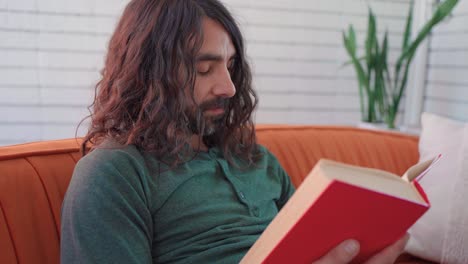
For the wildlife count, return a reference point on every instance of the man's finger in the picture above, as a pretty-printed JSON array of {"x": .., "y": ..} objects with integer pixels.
[
  {"x": 341, "y": 254},
  {"x": 391, "y": 253}
]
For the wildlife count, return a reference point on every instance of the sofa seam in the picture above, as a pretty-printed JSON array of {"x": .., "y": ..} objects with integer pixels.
[
  {"x": 73, "y": 158},
  {"x": 9, "y": 233},
  {"x": 40, "y": 141},
  {"x": 47, "y": 197},
  {"x": 339, "y": 128},
  {"x": 38, "y": 153}
]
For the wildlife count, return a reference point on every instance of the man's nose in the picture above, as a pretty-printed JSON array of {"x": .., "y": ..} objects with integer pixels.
[{"x": 224, "y": 86}]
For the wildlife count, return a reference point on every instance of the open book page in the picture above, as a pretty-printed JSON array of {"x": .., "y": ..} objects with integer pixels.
[
  {"x": 371, "y": 179},
  {"x": 419, "y": 170}
]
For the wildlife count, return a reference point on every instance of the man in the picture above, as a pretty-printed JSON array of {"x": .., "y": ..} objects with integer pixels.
[{"x": 174, "y": 174}]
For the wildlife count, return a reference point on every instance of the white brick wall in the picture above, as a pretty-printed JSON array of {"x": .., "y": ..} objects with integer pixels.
[{"x": 51, "y": 52}]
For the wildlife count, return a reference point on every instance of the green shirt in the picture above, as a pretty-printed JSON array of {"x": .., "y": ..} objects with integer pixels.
[{"x": 123, "y": 206}]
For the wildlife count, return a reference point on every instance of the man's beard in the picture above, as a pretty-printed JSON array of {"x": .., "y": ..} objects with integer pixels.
[{"x": 207, "y": 125}]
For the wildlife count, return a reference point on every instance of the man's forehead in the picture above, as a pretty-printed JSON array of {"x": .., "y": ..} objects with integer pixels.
[{"x": 216, "y": 41}]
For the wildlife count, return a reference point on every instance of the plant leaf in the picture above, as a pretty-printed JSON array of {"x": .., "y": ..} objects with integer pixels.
[
  {"x": 409, "y": 23},
  {"x": 404, "y": 46},
  {"x": 385, "y": 73},
  {"x": 363, "y": 58},
  {"x": 363, "y": 84},
  {"x": 441, "y": 12},
  {"x": 371, "y": 38},
  {"x": 350, "y": 40}
]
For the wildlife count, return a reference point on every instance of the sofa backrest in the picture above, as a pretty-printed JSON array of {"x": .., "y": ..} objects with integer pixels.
[
  {"x": 298, "y": 148},
  {"x": 33, "y": 181},
  {"x": 35, "y": 176}
]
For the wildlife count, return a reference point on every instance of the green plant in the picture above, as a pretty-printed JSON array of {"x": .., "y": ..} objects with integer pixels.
[{"x": 380, "y": 92}]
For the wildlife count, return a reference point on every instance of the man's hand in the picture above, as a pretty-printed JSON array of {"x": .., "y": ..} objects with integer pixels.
[{"x": 347, "y": 250}]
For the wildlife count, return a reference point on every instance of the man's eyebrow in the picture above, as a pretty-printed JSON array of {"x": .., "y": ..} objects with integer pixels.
[{"x": 212, "y": 57}]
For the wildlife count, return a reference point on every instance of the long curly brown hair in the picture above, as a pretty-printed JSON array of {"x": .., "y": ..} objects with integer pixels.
[{"x": 140, "y": 98}]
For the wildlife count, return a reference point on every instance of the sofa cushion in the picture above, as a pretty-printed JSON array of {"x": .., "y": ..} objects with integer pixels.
[{"x": 442, "y": 233}]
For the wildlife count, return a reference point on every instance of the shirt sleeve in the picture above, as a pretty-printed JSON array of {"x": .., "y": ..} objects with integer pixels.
[{"x": 105, "y": 217}]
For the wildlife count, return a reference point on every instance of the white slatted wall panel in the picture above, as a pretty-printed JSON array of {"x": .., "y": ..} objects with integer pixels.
[
  {"x": 51, "y": 52},
  {"x": 297, "y": 53},
  {"x": 447, "y": 79},
  {"x": 50, "y": 55}
]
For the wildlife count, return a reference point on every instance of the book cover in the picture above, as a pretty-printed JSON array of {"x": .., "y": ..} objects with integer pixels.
[{"x": 337, "y": 202}]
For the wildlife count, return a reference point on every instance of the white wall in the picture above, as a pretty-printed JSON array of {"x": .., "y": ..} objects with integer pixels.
[
  {"x": 447, "y": 78},
  {"x": 51, "y": 52},
  {"x": 297, "y": 52},
  {"x": 50, "y": 55}
]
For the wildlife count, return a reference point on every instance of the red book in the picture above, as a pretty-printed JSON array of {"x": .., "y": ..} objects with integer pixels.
[{"x": 336, "y": 202}]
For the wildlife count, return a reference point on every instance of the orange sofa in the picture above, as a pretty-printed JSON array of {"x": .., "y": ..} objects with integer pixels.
[{"x": 35, "y": 176}]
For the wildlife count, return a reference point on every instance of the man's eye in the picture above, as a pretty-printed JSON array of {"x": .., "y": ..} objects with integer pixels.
[{"x": 203, "y": 70}]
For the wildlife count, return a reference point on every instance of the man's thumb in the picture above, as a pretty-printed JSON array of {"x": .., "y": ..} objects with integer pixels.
[{"x": 343, "y": 253}]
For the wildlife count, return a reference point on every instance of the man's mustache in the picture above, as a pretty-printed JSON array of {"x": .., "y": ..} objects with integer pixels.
[{"x": 215, "y": 103}]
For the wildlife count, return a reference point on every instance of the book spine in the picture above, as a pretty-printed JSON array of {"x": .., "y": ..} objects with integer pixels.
[{"x": 421, "y": 192}]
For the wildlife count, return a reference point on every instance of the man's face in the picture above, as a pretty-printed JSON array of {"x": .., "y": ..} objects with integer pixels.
[{"x": 213, "y": 84}]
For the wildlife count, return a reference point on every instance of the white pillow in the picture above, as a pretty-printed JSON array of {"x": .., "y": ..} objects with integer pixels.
[{"x": 441, "y": 235}]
